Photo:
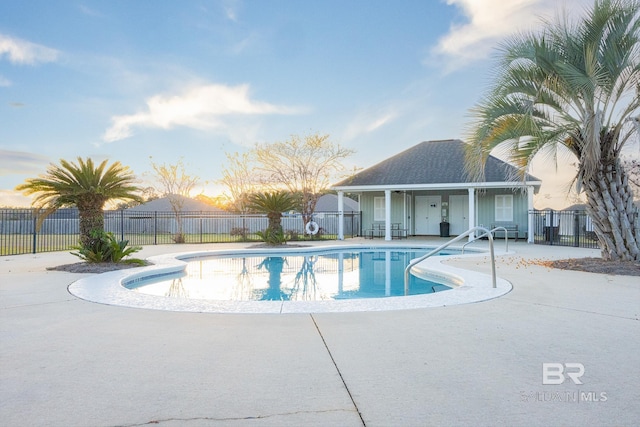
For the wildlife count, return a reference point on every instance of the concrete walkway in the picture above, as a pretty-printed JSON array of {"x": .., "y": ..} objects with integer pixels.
[{"x": 68, "y": 362}]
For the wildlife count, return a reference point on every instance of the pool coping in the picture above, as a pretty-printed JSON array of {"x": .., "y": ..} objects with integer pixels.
[{"x": 467, "y": 286}]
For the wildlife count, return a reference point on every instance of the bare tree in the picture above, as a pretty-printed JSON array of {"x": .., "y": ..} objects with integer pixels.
[
  {"x": 176, "y": 185},
  {"x": 239, "y": 180},
  {"x": 303, "y": 165},
  {"x": 147, "y": 194}
]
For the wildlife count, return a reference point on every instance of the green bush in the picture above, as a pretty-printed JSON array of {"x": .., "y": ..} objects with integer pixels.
[
  {"x": 104, "y": 247},
  {"x": 272, "y": 237}
]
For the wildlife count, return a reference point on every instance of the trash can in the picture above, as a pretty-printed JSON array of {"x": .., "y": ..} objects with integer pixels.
[{"x": 444, "y": 229}]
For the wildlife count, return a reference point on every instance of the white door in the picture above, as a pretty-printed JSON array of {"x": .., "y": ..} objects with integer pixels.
[
  {"x": 427, "y": 218},
  {"x": 458, "y": 214}
]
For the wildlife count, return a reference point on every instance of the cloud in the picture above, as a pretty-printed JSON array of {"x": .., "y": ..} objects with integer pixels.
[
  {"x": 231, "y": 8},
  {"x": 367, "y": 122},
  {"x": 23, "y": 52},
  {"x": 89, "y": 11},
  {"x": 4, "y": 82},
  {"x": 246, "y": 43},
  {"x": 202, "y": 107},
  {"x": 488, "y": 22},
  {"x": 20, "y": 163}
]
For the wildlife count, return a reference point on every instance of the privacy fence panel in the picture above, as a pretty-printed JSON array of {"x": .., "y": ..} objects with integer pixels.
[{"x": 20, "y": 232}]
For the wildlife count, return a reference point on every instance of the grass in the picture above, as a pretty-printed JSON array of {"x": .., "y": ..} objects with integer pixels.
[{"x": 16, "y": 244}]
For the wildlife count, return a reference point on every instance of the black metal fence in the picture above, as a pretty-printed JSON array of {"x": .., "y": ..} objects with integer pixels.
[
  {"x": 563, "y": 228},
  {"x": 19, "y": 233}
]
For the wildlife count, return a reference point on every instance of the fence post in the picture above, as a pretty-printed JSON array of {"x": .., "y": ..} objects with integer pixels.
[
  {"x": 121, "y": 224},
  {"x": 576, "y": 229},
  {"x": 551, "y": 220},
  {"x": 353, "y": 220},
  {"x": 155, "y": 227},
  {"x": 244, "y": 228},
  {"x": 35, "y": 222}
]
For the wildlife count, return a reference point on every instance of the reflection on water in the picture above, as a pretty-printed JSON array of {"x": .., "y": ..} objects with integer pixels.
[
  {"x": 305, "y": 285},
  {"x": 244, "y": 287},
  {"x": 177, "y": 289},
  {"x": 331, "y": 275},
  {"x": 273, "y": 292}
]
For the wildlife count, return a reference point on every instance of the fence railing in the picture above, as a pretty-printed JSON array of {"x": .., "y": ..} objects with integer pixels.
[
  {"x": 19, "y": 233},
  {"x": 563, "y": 228}
]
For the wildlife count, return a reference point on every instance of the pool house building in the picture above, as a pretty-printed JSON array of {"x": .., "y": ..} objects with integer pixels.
[{"x": 425, "y": 191}]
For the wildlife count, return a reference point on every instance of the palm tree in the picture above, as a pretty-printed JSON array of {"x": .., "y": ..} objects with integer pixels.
[
  {"x": 273, "y": 204},
  {"x": 577, "y": 86},
  {"x": 84, "y": 185}
]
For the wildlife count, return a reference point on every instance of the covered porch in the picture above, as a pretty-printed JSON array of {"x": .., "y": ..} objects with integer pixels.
[{"x": 401, "y": 211}]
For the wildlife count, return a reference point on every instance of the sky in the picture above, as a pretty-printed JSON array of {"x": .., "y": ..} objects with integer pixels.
[{"x": 158, "y": 81}]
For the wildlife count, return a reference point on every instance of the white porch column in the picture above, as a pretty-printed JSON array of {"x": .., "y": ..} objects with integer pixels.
[
  {"x": 387, "y": 214},
  {"x": 530, "y": 230},
  {"x": 404, "y": 212},
  {"x": 340, "y": 215},
  {"x": 472, "y": 211}
]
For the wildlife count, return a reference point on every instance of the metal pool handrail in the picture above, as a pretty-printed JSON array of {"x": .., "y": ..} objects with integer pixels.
[
  {"x": 445, "y": 245},
  {"x": 506, "y": 238}
]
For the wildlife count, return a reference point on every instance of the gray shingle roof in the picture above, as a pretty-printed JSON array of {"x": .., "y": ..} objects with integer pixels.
[
  {"x": 430, "y": 162},
  {"x": 329, "y": 203}
]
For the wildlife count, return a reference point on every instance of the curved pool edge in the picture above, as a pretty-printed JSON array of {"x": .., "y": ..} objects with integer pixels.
[{"x": 468, "y": 286}]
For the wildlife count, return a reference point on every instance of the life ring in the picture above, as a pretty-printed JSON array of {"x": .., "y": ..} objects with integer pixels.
[{"x": 312, "y": 227}]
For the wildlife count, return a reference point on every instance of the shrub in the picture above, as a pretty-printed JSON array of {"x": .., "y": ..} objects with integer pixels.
[
  {"x": 239, "y": 231},
  {"x": 272, "y": 237},
  {"x": 104, "y": 247}
]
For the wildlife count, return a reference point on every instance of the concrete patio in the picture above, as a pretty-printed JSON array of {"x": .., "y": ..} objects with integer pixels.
[{"x": 69, "y": 362}]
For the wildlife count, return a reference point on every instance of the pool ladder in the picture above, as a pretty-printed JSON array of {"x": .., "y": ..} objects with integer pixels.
[{"x": 486, "y": 233}]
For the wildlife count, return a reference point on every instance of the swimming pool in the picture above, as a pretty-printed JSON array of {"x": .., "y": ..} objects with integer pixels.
[
  {"x": 466, "y": 286},
  {"x": 325, "y": 275}
]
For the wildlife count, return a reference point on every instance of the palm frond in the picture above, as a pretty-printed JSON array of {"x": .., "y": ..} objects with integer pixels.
[
  {"x": 568, "y": 85},
  {"x": 81, "y": 184}
]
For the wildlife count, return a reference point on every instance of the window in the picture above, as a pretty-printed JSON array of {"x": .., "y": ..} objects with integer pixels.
[
  {"x": 378, "y": 209},
  {"x": 504, "y": 208}
]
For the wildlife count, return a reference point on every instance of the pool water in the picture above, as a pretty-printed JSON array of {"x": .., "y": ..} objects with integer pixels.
[{"x": 317, "y": 276}]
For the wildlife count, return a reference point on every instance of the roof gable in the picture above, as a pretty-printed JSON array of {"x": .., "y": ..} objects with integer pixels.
[{"x": 430, "y": 162}]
